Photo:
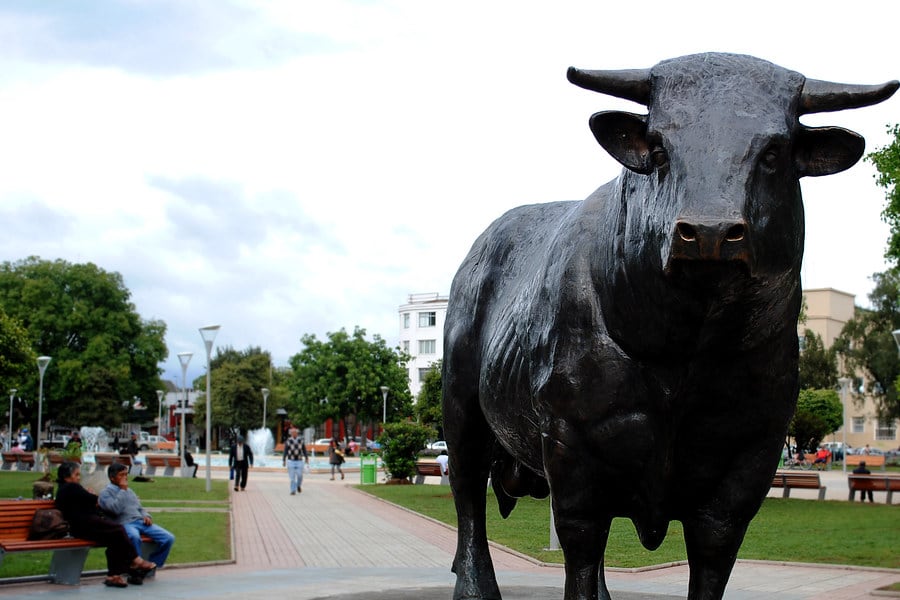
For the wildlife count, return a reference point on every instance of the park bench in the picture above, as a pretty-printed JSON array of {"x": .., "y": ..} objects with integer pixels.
[
  {"x": 57, "y": 458},
  {"x": 793, "y": 480},
  {"x": 102, "y": 460},
  {"x": 69, "y": 553},
  {"x": 429, "y": 468},
  {"x": 889, "y": 483},
  {"x": 871, "y": 460},
  {"x": 24, "y": 461},
  {"x": 168, "y": 462}
]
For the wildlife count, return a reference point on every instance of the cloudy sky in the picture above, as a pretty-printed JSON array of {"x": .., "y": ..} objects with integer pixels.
[{"x": 290, "y": 167}]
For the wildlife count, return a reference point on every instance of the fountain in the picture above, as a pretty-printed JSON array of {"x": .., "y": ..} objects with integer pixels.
[
  {"x": 262, "y": 443},
  {"x": 93, "y": 439}
]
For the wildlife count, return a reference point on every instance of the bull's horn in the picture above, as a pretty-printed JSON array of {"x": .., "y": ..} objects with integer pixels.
[
  {"x": 630, "y": 84},
  {"x": 824, "y": 96}
]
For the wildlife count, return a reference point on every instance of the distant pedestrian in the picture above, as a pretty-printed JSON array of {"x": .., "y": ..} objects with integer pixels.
[
  {"x": 862, "y": 470},
  {"x": 25, "y": 440},
  {"x": 240, "y": 457},
  {"x": 335, "y": 457},
  {"x": 115, "y": 443},
  {"x": 294, "y": 455},
  {"x": 444, "y": 461}
]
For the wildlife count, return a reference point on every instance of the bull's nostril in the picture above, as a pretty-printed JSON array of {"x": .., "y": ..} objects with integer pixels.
[
  {"x": 735, "y": 233},
  {"x": 686, "y": 232}
]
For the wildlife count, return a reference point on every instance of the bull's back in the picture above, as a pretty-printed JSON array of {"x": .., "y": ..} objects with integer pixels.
[{"x": 497, "y": 277}]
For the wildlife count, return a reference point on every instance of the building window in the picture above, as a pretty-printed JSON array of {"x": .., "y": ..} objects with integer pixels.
[
  {"x": 427, "y": 319},
  {"x": 886, "y": 430},
  {"x": 423, "y": 373},
  {"x": 405, "y": 320},
  {"x": 859, "y": 425},
  {"x": 427, "y": 346},
  {"x": 405, "y": 346}
]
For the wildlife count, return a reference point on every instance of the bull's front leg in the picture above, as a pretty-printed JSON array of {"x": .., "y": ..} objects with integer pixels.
[{"x": 712, "y": 545}]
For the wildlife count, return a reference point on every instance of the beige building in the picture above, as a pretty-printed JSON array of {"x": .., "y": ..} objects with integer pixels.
[{"x": 827, "y": 311}]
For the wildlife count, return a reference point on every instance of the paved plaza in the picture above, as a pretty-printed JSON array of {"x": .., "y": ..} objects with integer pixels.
[{"x": 334, "y": 542}]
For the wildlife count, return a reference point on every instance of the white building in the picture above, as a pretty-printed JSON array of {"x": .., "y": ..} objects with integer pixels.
[{"x": 422, "y": 334}]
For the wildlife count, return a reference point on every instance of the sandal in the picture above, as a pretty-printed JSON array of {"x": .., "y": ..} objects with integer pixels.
[
  {"x": 139, "y": 564},
  {"x": 115, "y": 581}
]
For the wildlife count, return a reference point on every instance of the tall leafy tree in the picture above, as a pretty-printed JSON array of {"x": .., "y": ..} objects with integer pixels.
[
  {"x": 428, "y": 402},
  {"x": 818, "y": 364},
  {"x": 819, "y": 412},
  {"x": 82, "y": 316},
  {"x": 887, "y": 162},
  {"x": 237, "y": 378},
  {"x": 867, "y": 345},
  {"x": 17, "y": 359},
  {"x": 341, "y": 377}
]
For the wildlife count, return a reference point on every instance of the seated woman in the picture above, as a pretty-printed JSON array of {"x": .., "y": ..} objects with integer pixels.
[{"x": 79, "y": 507}]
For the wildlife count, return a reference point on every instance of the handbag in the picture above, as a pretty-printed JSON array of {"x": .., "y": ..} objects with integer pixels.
[{"x": 48, "y": 524}]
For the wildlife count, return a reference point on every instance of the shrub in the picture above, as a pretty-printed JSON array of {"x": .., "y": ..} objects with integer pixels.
[{"x": 400, "y": 445}]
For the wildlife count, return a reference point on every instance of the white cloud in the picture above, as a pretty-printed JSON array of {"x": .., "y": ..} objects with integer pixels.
[{"x": 296, "y": 167}]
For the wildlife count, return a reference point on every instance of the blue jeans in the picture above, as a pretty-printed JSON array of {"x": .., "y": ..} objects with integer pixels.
[
  {"x": 295, "y": 474},
  {"x": 163, "y": 539}
]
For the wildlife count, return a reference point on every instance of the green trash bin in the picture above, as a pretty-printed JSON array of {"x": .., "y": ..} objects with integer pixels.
[{"x": 368, "y": 465}]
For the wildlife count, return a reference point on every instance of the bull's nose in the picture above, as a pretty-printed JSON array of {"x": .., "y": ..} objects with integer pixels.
[{"x": 715, "y": 240}]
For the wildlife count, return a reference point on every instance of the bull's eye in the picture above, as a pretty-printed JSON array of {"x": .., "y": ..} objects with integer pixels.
[
  {"x": 658, "y": 157},
  {"x": 769, "y": 158}
]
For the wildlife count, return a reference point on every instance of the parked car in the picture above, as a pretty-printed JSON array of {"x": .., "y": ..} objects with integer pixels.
[
  {"x": 157, "y": 442},
  {"x": 440, "y": 445},
  {"x": 320, "y": 446}
]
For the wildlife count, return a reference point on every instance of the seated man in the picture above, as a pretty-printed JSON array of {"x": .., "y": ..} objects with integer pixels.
[{"x": 124, "y": 507}]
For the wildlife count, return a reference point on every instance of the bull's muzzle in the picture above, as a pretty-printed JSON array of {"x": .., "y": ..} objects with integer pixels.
[{"x": 711, "y": 240}]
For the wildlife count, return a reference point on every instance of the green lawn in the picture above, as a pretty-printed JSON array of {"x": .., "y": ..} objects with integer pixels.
[
  {"x": 200, "y": 523},
  {"x": 784, "y": 530}
]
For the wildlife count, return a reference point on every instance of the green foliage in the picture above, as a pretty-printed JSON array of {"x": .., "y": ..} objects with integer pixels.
[
  {"x": 866, "y": 343},
  {"x": 818, "y": 364},
  {"x": 428, "y": 402},
  {"x": 887, "y": 162},
  {"x": 237, "y": 378},
  {"x": 82, "y": 316},
  {"x": 347, "y": 371},
  {"x": 400, "y": 445},
  {"x": 819, "y": 412},
  {"x": 17, "y": 359},
  {"x": 847, "y": 533}
]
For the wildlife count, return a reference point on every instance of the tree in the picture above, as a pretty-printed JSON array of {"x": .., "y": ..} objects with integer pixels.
[
  {"x": 341, "y": 379},
  {"x": 887, "y": 162},
  {"x": 103, "y": 352},
  {"x": 819, "y": 412},
  {"x": 17, "y": 359},
  {"x": 236, "y": 379},
  {"x": 428, "y": 402},
  {"x": 867, "y": 345},
  {"x": 818, "y": 364}
]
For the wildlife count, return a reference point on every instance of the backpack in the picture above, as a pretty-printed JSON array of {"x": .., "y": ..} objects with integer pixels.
[{"x": 48, "y": 524}]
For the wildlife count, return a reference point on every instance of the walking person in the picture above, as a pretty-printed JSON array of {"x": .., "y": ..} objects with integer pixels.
[
  {"x": 294, "y": 455},
  {"x": 240, "y": 458},
  {"x": 123, "y": 505},
  {"x": 335, "y": 457},
  {"x": 79, "y": 507}
]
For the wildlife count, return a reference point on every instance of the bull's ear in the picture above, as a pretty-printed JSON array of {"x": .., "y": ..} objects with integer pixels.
[
  {"x": 624, "y": 136},
  {"x": 826, "y": 150}
]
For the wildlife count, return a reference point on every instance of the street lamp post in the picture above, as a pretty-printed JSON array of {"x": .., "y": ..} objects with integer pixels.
[
  {"x": 208, "y": 334},
  {"x": 845, "y": 385},
  {"x": 42, "y": 362},
  {"x": 384, "y": 391},
  {"x": 184, "y": 358},
  {"x": 159, "y": 399},
  {"x": 265, "y": 393},
  {"x": 12, "y": 394}
]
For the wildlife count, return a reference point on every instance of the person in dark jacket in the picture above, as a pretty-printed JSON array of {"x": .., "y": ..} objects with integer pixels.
[
  {"x": 79, "y": 507},
  {"x": 240, "y": 458}
]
